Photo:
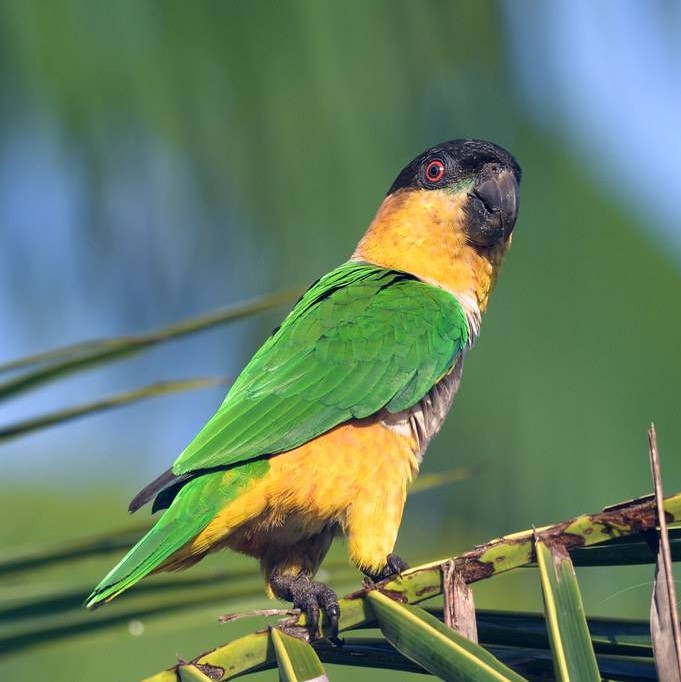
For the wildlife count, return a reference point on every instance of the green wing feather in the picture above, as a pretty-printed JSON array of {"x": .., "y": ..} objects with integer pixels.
[{"x": 361, "y": 339}]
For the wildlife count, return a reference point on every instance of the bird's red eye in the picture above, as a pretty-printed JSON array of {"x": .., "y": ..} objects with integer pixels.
[{"x": 435, "y": 170}]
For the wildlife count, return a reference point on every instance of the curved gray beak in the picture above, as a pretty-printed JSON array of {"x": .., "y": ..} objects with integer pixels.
[{"x": 499, "y": 194}]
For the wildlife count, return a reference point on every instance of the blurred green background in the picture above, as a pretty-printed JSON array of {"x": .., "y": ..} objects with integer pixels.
[{"x": 160, "y": 159}]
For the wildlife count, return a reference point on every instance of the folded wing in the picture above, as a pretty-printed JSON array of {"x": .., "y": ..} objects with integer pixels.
[{"x": 361, "y": 339}]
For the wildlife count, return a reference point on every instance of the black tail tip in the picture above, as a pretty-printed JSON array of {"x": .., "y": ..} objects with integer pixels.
[{"x": 149, "y": 491}]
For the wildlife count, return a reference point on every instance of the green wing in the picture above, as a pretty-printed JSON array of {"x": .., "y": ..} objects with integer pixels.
[{"x": 361, "y": 339}]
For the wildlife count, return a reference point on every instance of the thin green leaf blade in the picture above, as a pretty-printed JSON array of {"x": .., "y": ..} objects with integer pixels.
[
  {"x": 437, "y": 648},
  {"x": 72, "y": 359},
  {"x": 573, "y": 654},
  {"x": 53, "y": 354},
  {"x": 28, "y": 426},
  {"x": 24, "y": 626},
  {"x": 38, "y": 557},
  {"x": 297, "y": 660}
]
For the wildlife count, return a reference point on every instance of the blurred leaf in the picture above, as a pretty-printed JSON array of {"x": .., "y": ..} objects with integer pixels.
[
  {"x": 625, "y": 551},
  {"x": 42, "y": 557},
  {"x": 61, "y": 353},
  {"x": 367, "y": 652},
  {"x": 429, "y": 481},
  {"x": 573, "y": 653},
  {"x": 614, "y": 636},
  {"x": 434, "y": 646},
  {"x": 95, "y": 353},
  {"x": 152, "y": 593},
  {"x": 296, "y": 659},
  {"x": 26, "y": 626},
  {"x": 28, "y": 426}
]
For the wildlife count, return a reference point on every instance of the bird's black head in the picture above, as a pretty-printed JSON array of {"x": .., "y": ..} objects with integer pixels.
[{"x": 487, "y": 173}]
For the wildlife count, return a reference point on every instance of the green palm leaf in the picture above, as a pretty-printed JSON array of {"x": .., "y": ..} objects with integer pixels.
[
  {"x": 432, "y": 645},
  {"x": 251, "y": 653},
  {"x": 573, "y": 652},
  {"x": 296, "y": 659}
]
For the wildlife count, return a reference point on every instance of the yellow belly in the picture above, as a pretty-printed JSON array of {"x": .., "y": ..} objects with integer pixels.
[{"x": 352, "y": 479}]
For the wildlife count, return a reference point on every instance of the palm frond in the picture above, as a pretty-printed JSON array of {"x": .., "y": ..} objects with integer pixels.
[{"x": 252, "y": 652}]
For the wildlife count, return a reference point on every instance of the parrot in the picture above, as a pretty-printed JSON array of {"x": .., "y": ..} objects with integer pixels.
[{"x": 325, "y": 428}]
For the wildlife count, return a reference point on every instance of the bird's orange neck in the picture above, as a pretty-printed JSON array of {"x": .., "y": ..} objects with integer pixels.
[{"x": 423, "y": 233}]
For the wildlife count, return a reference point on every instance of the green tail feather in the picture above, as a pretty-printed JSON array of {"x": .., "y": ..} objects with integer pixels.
[
  {"x": 149, "y": 553},
  {"x": 197, "y": 503},
  {"x": 170, "y": 533}
]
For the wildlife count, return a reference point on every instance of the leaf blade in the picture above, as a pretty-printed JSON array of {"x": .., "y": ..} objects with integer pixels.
[
  {"x": 162, "y": 388},
  {"x": 425, "y": 581},
  {"x": 79, "y": 357},
  {"x": 297, "y": 660},
  {"x": 573, "y": 653},
  {"x": 437, "y": 648}
]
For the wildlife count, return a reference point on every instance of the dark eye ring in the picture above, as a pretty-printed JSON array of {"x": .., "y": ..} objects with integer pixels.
[{"x": 435, "y": 170}]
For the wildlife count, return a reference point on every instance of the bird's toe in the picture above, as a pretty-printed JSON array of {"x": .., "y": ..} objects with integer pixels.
[
  {"x": 328, "y": 601},
  {"x": 394, "y": 566},
  {"x": 311, "y": 598}
]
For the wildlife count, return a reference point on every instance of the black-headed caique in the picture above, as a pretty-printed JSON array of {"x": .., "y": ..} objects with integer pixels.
[{"x": 327, "y": 425}]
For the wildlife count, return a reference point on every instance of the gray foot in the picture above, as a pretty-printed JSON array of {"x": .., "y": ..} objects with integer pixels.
[{"x": 309, "y": 597}]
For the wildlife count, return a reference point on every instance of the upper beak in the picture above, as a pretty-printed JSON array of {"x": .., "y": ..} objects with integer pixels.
[{"x": 499, "y": 194}]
